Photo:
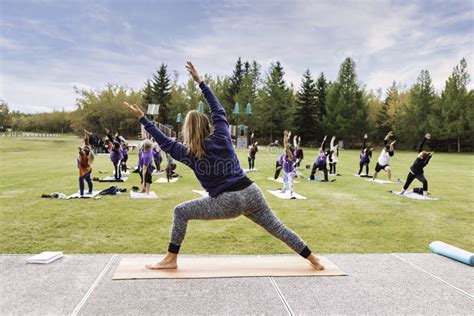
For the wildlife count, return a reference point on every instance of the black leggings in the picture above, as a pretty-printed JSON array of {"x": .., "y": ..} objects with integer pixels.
[
  {"x": 322, "y": 168},
  {"x": 361, "y": 165},
  {"x": 278, "y": 168},
  {"x": 251, "y": 162},
  {"x": 124, "y": 163},
  {"x": 420, "y": 177},
  {"x": 117, "y": 173},
  {"x": 332, "y": 168}
]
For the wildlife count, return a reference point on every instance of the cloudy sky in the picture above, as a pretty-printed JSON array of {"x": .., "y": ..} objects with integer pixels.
[{"x": 48, "y": 47}]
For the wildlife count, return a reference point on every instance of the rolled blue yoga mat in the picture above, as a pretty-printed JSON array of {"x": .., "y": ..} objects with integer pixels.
[{"x": 452, "y": 252}]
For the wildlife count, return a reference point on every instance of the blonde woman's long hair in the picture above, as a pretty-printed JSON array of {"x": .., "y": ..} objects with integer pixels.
[
  {"x": 288, "y": 151},
  {"x": 196, "y": 129},
  {"x": 90, "y": 154}
]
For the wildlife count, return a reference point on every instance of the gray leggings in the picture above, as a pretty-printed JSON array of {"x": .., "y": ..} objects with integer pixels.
[{"x": 249, "y": 202}]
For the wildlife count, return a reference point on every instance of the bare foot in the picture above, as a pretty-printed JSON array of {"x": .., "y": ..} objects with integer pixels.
[
  {"x": 163, "y": 264},
  {"x": 317, "y": 266},
  {"x": 315, "y": 262}
]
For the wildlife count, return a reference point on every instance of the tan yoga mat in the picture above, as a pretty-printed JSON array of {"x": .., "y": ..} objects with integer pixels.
[{"x": 225, "y": 267}]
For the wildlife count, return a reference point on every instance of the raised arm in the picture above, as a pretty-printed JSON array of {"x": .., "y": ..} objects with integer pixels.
[
  {"x": 422, "y": 143},
  {"x": 177, "y": 150},
  {"x": 218, "y": 115},
  {"x": 387, "y": 137},
  {"x": 323, "y": 143},
  {"x": 392, "y": 151},
  {"x": 364, "y": 146},
  {"x": 333, "y": 139}
]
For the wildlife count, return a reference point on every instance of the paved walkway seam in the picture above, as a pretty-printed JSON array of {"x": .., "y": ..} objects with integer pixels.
[
  {"x": 93, "y": 286},
  {"x": 282, "y": 298},
  {"x": 435, "y": 277}
]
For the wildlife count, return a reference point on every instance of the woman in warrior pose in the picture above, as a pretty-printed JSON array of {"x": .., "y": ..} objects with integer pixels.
[
  {"x": 416, "y": 169},
  {"x": 212, "y": 157}
]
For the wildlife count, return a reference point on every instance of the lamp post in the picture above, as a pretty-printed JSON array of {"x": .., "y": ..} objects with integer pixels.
[{"x": 200, "y": 107}]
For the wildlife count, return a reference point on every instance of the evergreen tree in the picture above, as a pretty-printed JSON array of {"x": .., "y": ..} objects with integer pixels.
[
  {"x": 306, "y": 109},
  {"x": 421, "y": 103},
  {"x": 248, "y": 91},
  {"x": 161, "y": 94},
  {"x": 455, "y": 106},
  {"x": 148, "y": 93},
  {"x": 320, "y": 112},
  {"x": 346, "y": 108},
  {"x": 384, "y": 120},
  {"x": 275, "y": 104},
  {"x": 235, "y": 83}
]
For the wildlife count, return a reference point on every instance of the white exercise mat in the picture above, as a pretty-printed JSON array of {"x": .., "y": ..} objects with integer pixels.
[
  {"x": 112, "y": 179},
  {"x": 380, "y": 181},
  {"x": 86, "y": 195},
  {"x": 319, "y": 180},
  {"x": 164, "y": 180},
  {"x": 201, "y": 193},
  {"x": 286, "y": 195},
  {"x": 280, "y": 180},
  {"x": 415, "y": 196},
  {"x": 250, "y": 170},
  {"x": 138, "y": 195},
  {"x": 362, "y": 175}
]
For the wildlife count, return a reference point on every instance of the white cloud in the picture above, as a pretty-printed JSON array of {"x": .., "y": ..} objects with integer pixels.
[{"x": 387, "y": 41}]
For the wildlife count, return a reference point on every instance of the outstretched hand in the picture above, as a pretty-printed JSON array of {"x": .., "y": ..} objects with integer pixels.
[
  {"x": 393, "y": 143},
  {"x": 428, "y": 136},
  {"x": 134, "y": 109},
  {"x": 193, "y": 72},
  {"x": 366, "y": 136}
]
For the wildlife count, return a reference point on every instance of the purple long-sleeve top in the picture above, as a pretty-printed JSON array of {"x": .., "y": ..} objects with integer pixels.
[
  {"x": 288, "y": 165},
  {"x": 116, "y": 154},
  {"x": 219, "y": 169}
]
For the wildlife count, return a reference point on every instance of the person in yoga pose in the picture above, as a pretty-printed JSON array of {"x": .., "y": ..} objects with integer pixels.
[
  {"x": 116, "y": 154},
  {"x": 416, "y": 169},
  {"x": 333, "y": 154},
  {"x": 365, "y": 156},
  {"x": 253, "y": 149},
  {"x": 298, "y": 152},
  {"x": 170, "y": 168},
  {"x": 85, "y": 159},
  {"x": 281, "y": 158},
  {"x": 383, "y": 162},
  {"x": 211, "y": 155},
  {"x": 289, "y": 170},
  {"x": 320, "y": 163},
  {"x": 145, "y": 165},
  {"x": 157, "y": 157}
]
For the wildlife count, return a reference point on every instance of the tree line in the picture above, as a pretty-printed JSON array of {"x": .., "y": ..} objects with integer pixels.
[{"x": 317, "y": 107}]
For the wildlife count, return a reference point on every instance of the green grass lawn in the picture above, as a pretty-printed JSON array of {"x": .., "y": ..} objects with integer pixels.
[{"x": 350, "y": 215}]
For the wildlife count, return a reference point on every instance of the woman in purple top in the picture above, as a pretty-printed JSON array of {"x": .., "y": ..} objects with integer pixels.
[
  {"x": 145, "y": 165},
  {"x": 213, "y": 159},
  {"x": 116, "y": 157},
  {"x": 321, "y": 162},
  {"x": 289, "y": 170}
]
